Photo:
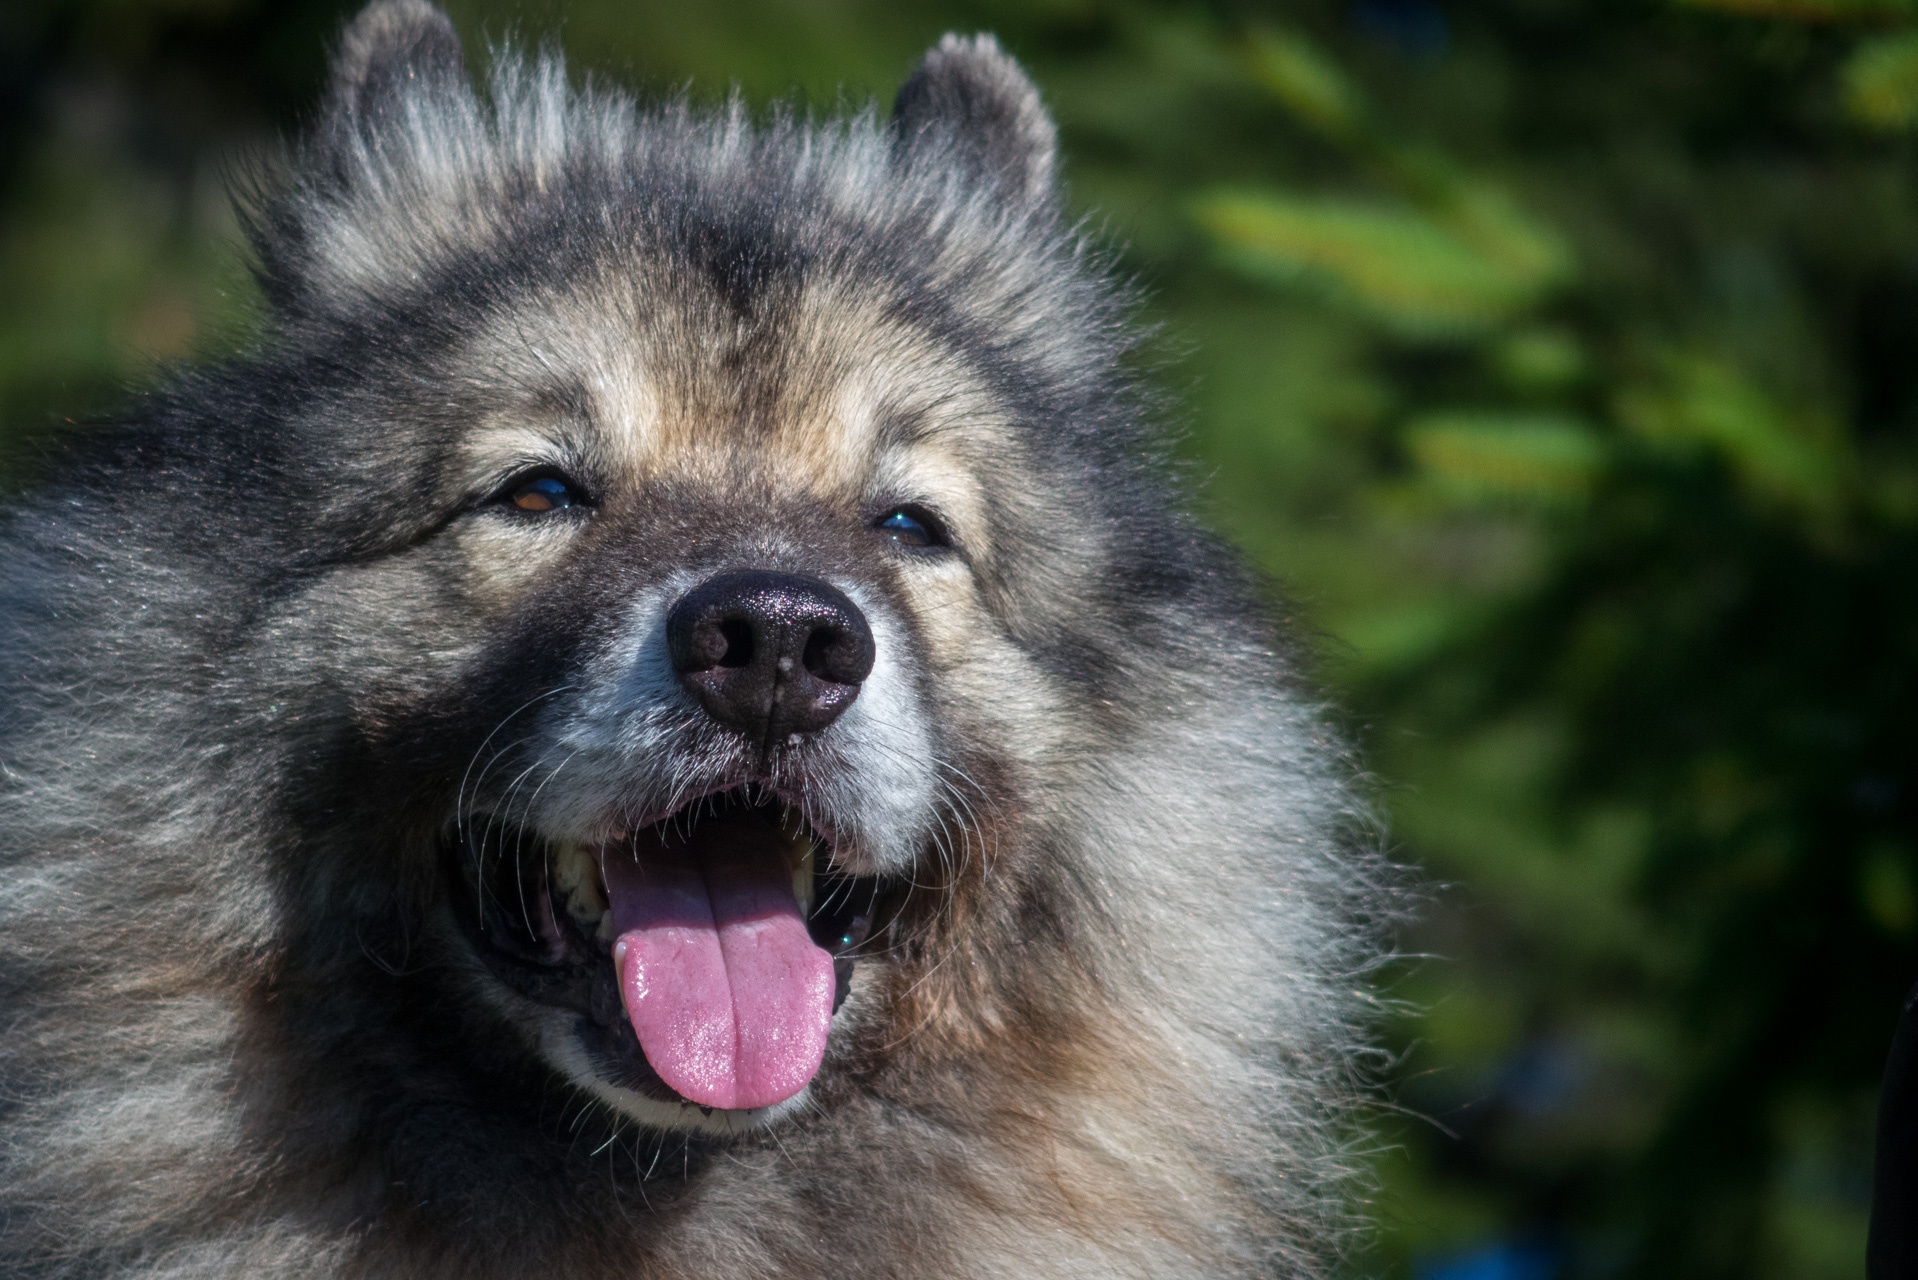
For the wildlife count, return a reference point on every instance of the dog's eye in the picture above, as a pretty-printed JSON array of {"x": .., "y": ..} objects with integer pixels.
[
  {"x": 541, "y": 493},
  {"x": 912, "y": 527}
]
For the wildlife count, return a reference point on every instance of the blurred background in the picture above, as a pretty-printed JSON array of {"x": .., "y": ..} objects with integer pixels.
[{"x": 1558, "y": 359}]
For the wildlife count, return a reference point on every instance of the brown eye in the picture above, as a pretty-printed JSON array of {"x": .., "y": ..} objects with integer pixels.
[{"x": 543, "y": 493}]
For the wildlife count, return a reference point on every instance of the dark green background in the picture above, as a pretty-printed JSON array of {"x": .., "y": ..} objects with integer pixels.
[{"x": 1560, "y": 359}]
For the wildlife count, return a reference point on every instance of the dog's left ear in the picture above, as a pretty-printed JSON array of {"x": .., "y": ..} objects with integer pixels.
[
  {"x": 971, "y": 101},
  {"x": 393, "y": 48}
]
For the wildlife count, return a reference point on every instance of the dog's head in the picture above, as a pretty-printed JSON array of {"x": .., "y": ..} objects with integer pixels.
[{"x": 723, "y": 529}]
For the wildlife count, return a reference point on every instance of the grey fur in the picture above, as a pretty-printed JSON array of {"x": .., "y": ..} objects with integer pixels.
[{"x": 268, "y": 647}]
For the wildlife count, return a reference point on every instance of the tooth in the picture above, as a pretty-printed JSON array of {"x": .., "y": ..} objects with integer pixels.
[
  {"x": 571, "y": 863},
  {"x": 576, "y": 875},
  {"x": 801, "y": 854}
]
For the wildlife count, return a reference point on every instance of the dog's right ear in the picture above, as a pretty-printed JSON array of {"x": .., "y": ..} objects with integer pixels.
[
  {"x": 393, "y": 48},
  {"x": 397, "y": 104}
]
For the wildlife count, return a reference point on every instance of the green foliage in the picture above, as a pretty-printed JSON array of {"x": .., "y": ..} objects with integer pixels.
[
  {"x": 1557, "y": 355},
  {"x": 1701, "y": 405},
  {"x": 1311, "y": 85},
  {"x": 1449, "y": 255},
  {"x": 1528, "y": 456},
  {"x": 1811, "y": 10},
  {"x": 1406, "y": 267},
  {"x": 1632, "y": 497},
  {"x": 1881, "y": 81}
]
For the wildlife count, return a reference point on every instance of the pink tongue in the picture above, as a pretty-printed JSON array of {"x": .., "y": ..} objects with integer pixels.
[{"x": 728, "y": 995}]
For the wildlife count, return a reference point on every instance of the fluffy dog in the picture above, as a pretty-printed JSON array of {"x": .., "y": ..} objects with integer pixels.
[{"x": 664, "y": 719}]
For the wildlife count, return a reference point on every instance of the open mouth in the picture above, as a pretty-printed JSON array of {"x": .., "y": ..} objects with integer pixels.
[{"x": 704, "y": 954}]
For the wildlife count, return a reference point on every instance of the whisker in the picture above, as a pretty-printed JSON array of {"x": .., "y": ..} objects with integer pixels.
[{"x": 459, "y": 797}]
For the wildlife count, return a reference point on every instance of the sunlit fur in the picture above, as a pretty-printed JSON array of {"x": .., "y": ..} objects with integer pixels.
[{"x": 266, "y": 646}]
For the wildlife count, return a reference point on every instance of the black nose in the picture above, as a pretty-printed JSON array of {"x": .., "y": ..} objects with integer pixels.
[{"x": 770, "y": 654}]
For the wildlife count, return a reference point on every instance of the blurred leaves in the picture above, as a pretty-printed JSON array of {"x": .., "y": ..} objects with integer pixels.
[
  {"x": 1422, "y": 276},
  {"x": 1885, "y": 883},
  {"x": 1700, "y": 403},
  {"x": 1881, "y": 81},
  {"x": 1311, "y": 85},
  {"x": 1540, "y": 360},
  {"x": 1810, "y": 10},
  {"x": 1618, "y": 523},
  {"x": 1534, "y": 457},
  {"x": 1448, "y": 255}
]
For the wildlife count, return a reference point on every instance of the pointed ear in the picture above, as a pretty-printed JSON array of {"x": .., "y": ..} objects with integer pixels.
[
  {"x": 970, "y": 100},
  {"x": 391, "y": 46}
]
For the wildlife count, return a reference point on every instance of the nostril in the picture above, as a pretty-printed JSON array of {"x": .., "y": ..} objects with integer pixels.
[
  {"x": 699, "y": 644},
  {"x": 738, "y": 635},
  {"x": 838, "y": 655}
]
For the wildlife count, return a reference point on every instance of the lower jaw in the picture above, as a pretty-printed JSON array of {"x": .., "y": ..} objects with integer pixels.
[{"x": 561, "y": 968}]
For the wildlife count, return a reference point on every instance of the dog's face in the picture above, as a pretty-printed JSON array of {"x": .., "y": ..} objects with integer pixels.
[
  {"x": 742, "y": 552},
  {"x": 709, "y": 551}
]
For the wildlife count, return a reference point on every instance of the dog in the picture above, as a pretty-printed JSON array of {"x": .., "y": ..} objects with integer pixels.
[{"x": 663, "y": 717}]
